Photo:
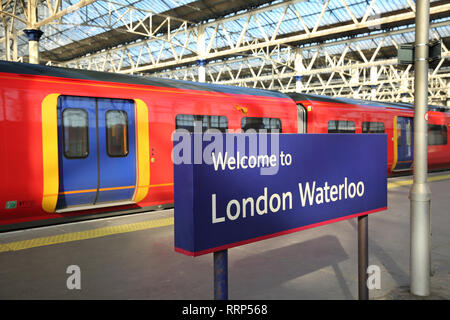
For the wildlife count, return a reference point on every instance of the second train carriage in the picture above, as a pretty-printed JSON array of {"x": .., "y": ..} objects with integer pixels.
[{"x": 341, "y": 115}]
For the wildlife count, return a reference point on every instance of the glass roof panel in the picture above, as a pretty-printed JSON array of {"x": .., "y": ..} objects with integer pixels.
[{"x": 104, "y": 15}]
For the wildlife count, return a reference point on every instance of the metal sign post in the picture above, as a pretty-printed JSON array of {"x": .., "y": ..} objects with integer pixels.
[
  {"x": 420, "y": 194},
  {"x": 221, "y": 275},
  {"x": 363, "y": 257}
]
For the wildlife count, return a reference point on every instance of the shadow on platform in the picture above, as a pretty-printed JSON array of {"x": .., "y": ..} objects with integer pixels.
[{"x": 258, "y": 274}]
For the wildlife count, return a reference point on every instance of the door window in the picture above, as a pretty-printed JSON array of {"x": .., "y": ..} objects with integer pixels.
[
  {"x": 408, "y": 133},
  {"x": 75, "y": 132},
  {"x": 399, "y": 134},
  {"x": 116, "y": 133}
]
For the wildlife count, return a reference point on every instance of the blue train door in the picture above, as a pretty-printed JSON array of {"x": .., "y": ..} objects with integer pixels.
[
  {"x": 97, "y": 157},
  {"x": 403, "y": 144}
]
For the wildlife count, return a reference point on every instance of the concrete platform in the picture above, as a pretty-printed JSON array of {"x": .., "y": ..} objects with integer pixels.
[{"x": 132, "y": 257}]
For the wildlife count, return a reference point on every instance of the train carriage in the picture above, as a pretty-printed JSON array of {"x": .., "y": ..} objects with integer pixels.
[
  {"x": 342, "y": 115},
  {"x": 76, "y": 142}
]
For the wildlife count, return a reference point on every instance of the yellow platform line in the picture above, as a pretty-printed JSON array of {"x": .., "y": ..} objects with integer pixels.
[
  {"x": 106, "y": 231},
  {"x": 397, "y": 184},
  {"x": 83, "y": 235}
]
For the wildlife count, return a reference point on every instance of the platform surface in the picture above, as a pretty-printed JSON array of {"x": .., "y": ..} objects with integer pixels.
[{"x": 133, "y": 257}]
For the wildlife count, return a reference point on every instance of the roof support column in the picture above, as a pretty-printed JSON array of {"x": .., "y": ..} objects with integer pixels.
[
  {"x": 15, "y": 51},
  {"x": 32, "y": 32},
  {"x": 448, "y": 93},
  {"x": 201, "y": 63},
  {"x": 299, "y": 68},
  {"x": 355, "y": 83},
  {"x": 373, "y": 83},
  {"x": 201, "y": 48},
  {"x": 7, "y": 43},
  {"x": 404, "y": 87},
  {"x": 298, "y": 84},
  {"x": 6, "y": 39},
  {"x": 33, "y": 44}
]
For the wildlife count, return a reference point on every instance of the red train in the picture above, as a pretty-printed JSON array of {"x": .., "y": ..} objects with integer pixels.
[
  {"x": 341, "y": 115},
  {"x": 76, "y": 142}
]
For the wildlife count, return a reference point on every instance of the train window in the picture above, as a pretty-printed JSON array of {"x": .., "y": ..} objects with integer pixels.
[
  {"x": 373, "y": 127},
  {"x": 341, "y": 126},
  {"x": 215, "y": 122},
  {"x": 75, "y": 133},
  {"x": 301, "y": 118},
  {"x": 437, "y": 135},
  {"x": 408, "y": 133},
  {"x": 189, "y": 122},
  {"x": 116, "y": 133},
  {"x": 262, "y": 125},
  {"x": 399, "y": 134}
]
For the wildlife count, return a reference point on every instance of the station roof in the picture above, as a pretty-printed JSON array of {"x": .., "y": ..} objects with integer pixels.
[
  {"x": 93, "y": 39},
  {"x": 96, "y": 27},
  {"x": 96, "y": 36}
]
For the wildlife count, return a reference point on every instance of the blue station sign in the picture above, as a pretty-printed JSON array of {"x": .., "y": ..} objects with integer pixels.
[{"x": 234, "y": 189}]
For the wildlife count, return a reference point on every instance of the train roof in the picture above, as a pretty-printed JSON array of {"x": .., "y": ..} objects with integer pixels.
[
  {"x": 313, "y": 97},
  {"x": 398, "y": 105},
  {"x": 36, "y": 69}
]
